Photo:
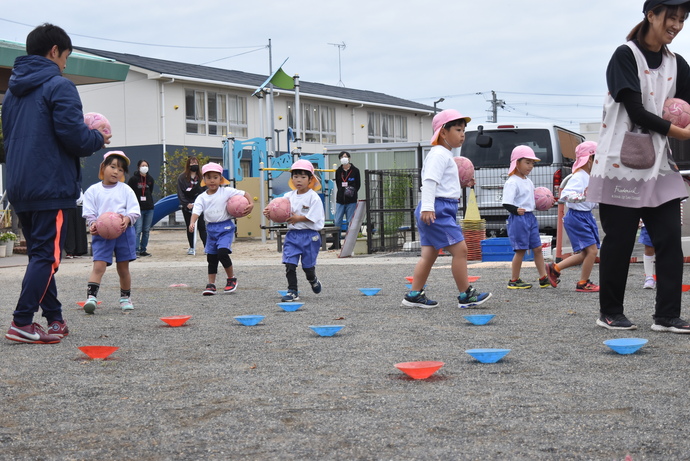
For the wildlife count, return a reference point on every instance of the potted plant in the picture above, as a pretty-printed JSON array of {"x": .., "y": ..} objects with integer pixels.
[{"x": 7, "y": 239}]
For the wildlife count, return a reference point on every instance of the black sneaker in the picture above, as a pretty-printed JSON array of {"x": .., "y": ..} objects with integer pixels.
[
  {"x": 519, "y": 285},
  {"x": 143, "y": 253},
  {"x": 420, "y": 301},
  {"x": 315, "y": 286},
  {"x": 210, "y": 290},
  {"x": 674, "y": 325},
  {"x": 291, "y": 295},
  {"x": 472, "y": 299},
  {"x": 544, "y": 282},
  {"x": 616, "y": 322}
]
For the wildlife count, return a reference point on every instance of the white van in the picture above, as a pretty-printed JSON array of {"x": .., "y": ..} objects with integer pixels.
[{"x": 489, "y": 146}]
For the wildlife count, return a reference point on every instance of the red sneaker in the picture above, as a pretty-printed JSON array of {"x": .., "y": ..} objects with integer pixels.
[
  {"x": 34, "y": 334},
  {"x": 231, "y": 285},
  {"x": 58, "y": 329},
  {"x": 553, "y": 275},
  {"x": 588, "y": 287}
]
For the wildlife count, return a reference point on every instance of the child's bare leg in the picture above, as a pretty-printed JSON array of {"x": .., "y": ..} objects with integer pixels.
[
  {"x": 539, "y": 261},
  {"x": 517, "y": 264},
  {"x": 125, "y": 275},
  {"x": 423, "y": 267},
  {"x": 459, "y": 265},
  {"x": 229, "y": 272},
  {"x": 648, "y": 251},
  {"x": 574, "y": 259},
  {"x": 97, "y": 272},
  {"x": 590, "y": 255}
]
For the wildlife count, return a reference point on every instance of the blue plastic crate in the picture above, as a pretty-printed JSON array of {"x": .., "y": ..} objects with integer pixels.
[{"x": 499, "y": 249}]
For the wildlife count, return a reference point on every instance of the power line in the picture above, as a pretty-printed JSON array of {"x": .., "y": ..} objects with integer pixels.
[{"x": 149, "y": 44}]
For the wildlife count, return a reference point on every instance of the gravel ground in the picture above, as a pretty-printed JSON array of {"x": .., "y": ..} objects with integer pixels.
[{"x": 215, "y": 389}]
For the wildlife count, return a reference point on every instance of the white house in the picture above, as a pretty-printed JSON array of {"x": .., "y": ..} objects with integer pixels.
[{"x": 164, "y": 105}]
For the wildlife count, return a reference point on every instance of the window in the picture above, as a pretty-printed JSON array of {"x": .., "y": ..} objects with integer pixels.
[
  {"x": 318, "y": 122},
  {"x": 215, "y": 114},
  {"x": 386, "y": 127}
]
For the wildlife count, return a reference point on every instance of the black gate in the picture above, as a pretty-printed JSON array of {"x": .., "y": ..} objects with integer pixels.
[{"x": 391, "y": 198}]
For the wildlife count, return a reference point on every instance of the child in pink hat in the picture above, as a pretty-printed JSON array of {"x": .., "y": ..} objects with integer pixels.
[
  {"x": 436, "y": 215},
  {"x": 220, "y": 226},
  {"x": 579, "y": 222},
  {"x": 114, "y": 195},
  {"x": 523, "y": 228},
  {"x": 303, "y": 239}
]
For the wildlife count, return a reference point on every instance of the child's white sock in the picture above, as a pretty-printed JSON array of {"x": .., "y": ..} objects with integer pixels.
[{"x": 648, "y": 265}]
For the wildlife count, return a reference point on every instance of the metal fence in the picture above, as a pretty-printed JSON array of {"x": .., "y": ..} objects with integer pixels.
[{"x": 391, "y": 197}]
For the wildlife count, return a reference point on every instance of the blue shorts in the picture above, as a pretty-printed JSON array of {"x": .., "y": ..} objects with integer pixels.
[
  {"x": 304, "y": 244},
  {"x": 523, "y": 231},
  {"x": 124, "y": 247},
  {"x": 444, "y": 231},
  {"x": 219, "y": 235},
  {"x": 582, "y": 229},
  {"x": 644, "y": 238}
]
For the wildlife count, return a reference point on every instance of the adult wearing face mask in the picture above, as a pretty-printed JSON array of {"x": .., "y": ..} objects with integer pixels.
[
  {"x": 188, "y": 188},
  {"x": 348, "y": 182},
  {"x": 142, "y": 184}
]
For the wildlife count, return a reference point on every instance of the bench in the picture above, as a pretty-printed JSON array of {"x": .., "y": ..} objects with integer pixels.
[{"x": 327, "y": 230}]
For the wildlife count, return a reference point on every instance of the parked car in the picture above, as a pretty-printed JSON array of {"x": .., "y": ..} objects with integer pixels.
[{"x": 489, "y": 147}]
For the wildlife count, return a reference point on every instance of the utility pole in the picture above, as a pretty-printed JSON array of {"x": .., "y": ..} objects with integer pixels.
[{"x": 495, "y": 104}]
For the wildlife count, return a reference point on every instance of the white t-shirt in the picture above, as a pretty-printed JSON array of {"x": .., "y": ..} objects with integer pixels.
[
  {"x": 213, "y": 206},
  {"x": 119, "y": 199},
  {"x": 573, "y": 194},
  {"x": 519, "y": 192},
  {"x": 439, "y": 177},
  {"x": 308, "y": 204}
]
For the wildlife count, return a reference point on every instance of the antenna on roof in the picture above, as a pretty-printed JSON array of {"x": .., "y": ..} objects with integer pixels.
[{"x": 341, "y": 46}]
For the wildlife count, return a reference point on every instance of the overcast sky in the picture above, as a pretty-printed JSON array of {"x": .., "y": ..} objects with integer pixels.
[{"x": 545, "y": 59}]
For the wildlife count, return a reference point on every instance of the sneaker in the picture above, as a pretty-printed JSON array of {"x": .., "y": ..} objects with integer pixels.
[
  {"x": 675, "y": 325},
  {"x": 34, "y": 334},
  {"x": 616, "y": 322},
  {"x": 231, "y": 285},
  {"x": 291, "y": 295},
  {"x": 144, "y": 254},
  {"x": 90, "y": 305},
  {"x": 126, "y": 304},
  {"x": 544, "y": 282},
  {"x": 210, "y": 290},
  {"x": 552, "y": 274},
  {"x": 420, "y": 300},
  {"x": 191, "y": 252},
  {"x": 59, "y": 329},
  {"x": 518, "y": 285},
  {"x": 649, "y": 283},
  {"x": 315, "y": 286},
  {"x": 587, "y": 287},
  {"x": 471, "y": 299}
]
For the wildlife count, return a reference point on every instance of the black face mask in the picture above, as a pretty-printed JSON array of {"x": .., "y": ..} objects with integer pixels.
[{"x": 194, "y": 168}]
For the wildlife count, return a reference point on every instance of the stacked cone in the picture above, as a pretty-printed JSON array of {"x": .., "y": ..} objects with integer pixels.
[{"x": 474, "y": 229}]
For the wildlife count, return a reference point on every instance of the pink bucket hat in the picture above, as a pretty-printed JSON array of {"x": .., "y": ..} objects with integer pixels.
[
  {"x": 582, "y": 153},
  {"x": 117, "y": 153},
  {"x": 305, "y": 165},
  {"x": 518, "y": 153},
  {"x": 212, "y": 166},
  {"x": 442, "y": 118}
]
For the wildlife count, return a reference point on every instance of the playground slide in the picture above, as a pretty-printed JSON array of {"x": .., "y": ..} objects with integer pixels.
[{"x": 164, "y": 207}]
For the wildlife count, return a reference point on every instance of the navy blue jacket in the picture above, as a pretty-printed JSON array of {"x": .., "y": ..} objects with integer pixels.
[{"x": 45, "y": 136}]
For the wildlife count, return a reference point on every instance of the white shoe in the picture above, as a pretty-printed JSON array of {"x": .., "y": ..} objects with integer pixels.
[
  {"x": 649, "y": 283},
  {"x": 191, "y": 252},
  {"x": 126, "y": 304},
  {"x": 90, "y": 305}
]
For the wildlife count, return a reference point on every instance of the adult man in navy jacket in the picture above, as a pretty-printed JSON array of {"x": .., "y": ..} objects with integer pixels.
[{"x": 45, "y": 136}]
